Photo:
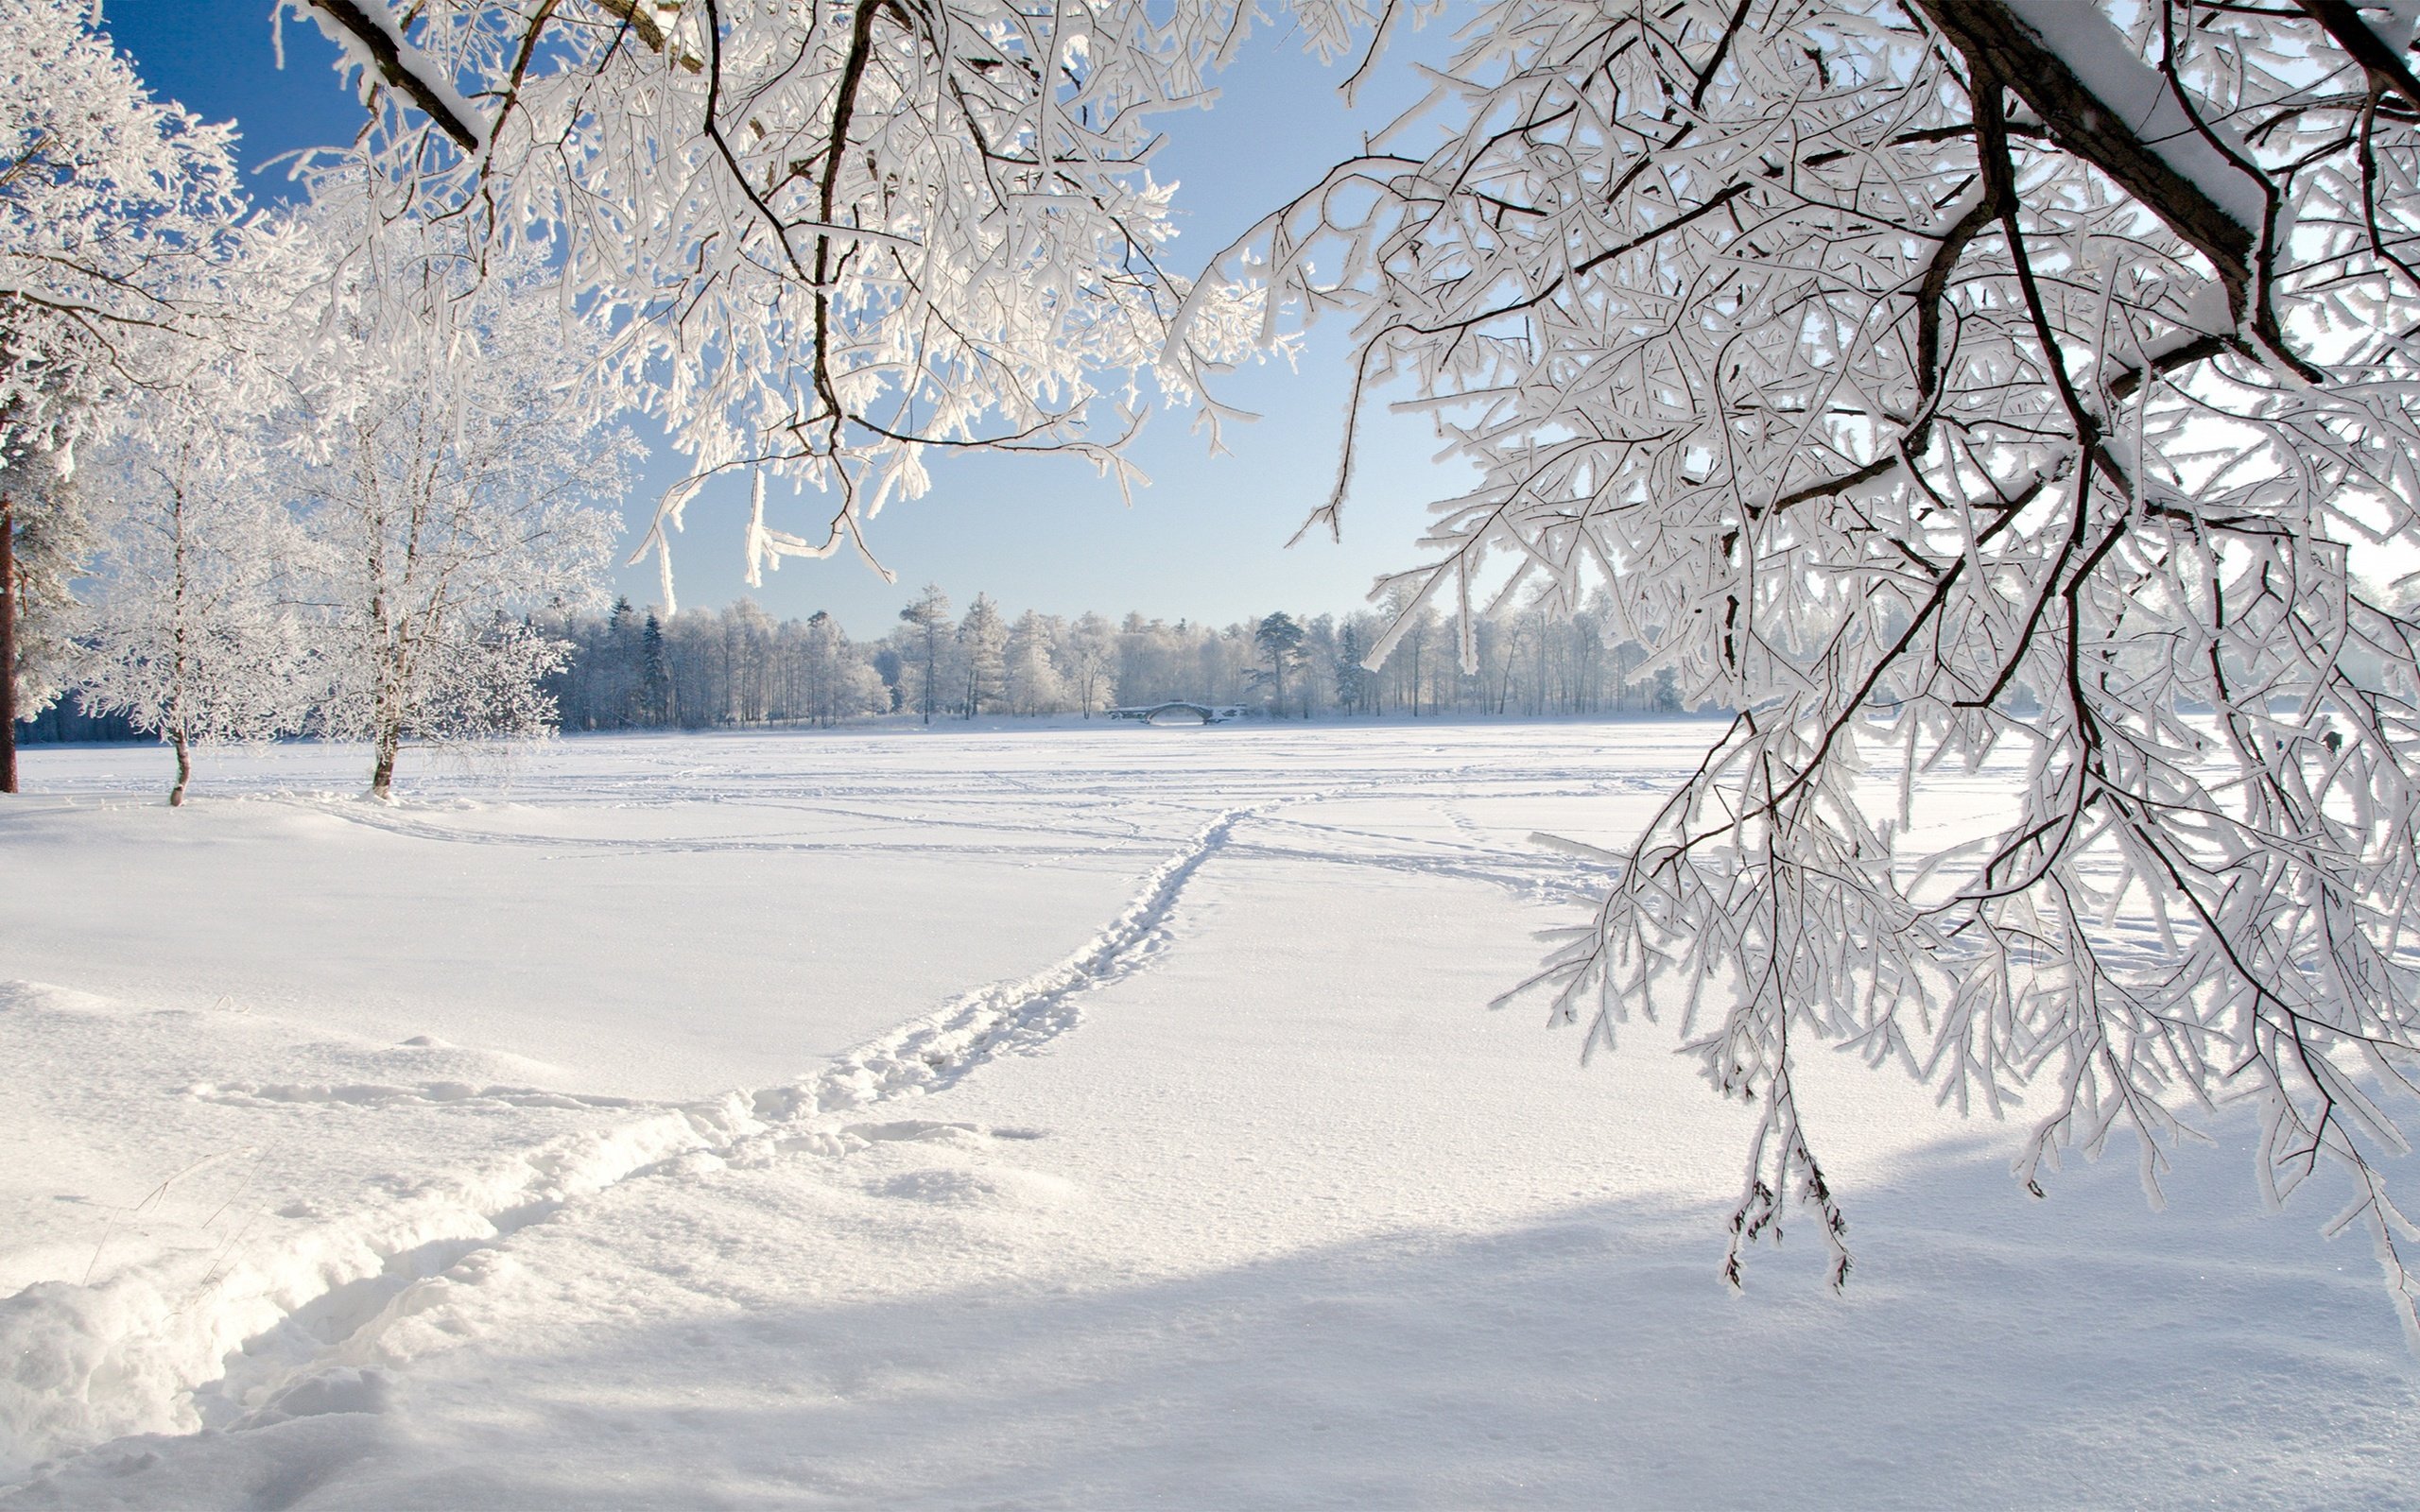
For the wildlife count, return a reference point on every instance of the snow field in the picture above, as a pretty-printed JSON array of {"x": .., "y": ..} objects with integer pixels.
[{"x": 1231, "y": 1194}]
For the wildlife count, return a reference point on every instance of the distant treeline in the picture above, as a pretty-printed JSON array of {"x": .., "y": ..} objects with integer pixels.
[
  {"x": 705, "y": 669},
  {"x": 67, "y": 721}
]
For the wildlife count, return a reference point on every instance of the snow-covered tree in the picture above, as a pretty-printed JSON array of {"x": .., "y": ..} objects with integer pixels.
[
  {"x": 983, "y": 654},
  {"x": 46, "y": 521},
  {"x": 1031, "y": 684},
  {"x": 1089, "y": 660},
  {"x": 928, "y": 629},
  {"x": 840, "y": 684},
  {"x": 197, "y": 635},
  {"x": 830, "y": 236},
  {"x": 748, "y": 635},
  {"x": 450, "y": 482},
  {"x": 1933, "y": 382},
  {"x": 114, "y": 209}
]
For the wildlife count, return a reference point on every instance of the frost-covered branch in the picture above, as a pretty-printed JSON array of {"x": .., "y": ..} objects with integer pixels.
[
  {"x": 1939, "y": 384},
  {"x": 827, "y": 236}
]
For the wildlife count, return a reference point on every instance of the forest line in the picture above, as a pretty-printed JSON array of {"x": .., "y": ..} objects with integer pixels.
[
  {"x": 628, "y": 668},
  {"x": 696, "y": 670}
]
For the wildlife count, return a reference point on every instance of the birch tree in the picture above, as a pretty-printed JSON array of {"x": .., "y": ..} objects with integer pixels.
[
  {"x": 453, "y": 478},
  {"x": 840, "y": 681},
  {"x": 114, "y": 211},
  {"x": 1933, "y": 383},
  {"x": 1091, "y": 650},
  {"x": 199, "y": 635}
]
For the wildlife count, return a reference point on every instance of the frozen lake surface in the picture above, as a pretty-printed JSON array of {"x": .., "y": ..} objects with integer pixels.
[{"x": 1081, "y": 1116}]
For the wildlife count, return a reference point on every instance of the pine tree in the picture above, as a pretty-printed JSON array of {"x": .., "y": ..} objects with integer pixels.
[
  {"x": 1351, "y": 679},
  {"x": 1280, "y": 639},
  {"x": 655, "y": 676}
]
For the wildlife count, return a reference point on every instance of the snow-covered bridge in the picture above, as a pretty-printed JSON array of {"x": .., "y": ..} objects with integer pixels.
[{"x": 1178, "y": 711}]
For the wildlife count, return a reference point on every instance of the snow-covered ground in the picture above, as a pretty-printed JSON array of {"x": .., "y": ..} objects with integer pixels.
[{"x": 1083, "y": 1117}]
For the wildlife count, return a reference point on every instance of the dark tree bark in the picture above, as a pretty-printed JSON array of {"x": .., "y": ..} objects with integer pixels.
[
  {"x": 8, "y": 646},
  {"x": 2003, "y": 48},
  {"x": 381, "y": 46},
  {"x": 382, "y": 771}
]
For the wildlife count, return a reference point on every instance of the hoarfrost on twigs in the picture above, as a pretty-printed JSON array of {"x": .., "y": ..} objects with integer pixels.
[{"x": 1931, "y": 380}]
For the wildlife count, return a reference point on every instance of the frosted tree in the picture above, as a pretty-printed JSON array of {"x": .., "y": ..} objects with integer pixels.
[
  {"x": 114, "y": 209},
  {"x": 840, "y": 684},
  {"x": 451, "y": 476},
  {"x": 47, "y": 534},
  {"x": 983, "y": 653},
  {"x": 197, "y": 634},
  {"x": 1932, "y": 383},
  {"x": 1089, "y": 661},
  {"x": 830, "y": 237},
  {"x": 1031, "y": 684},
  {"x": 928, "y": 630}
]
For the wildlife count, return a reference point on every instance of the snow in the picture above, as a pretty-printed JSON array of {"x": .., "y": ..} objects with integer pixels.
[
  {"x": 2107, "y": 64},
  {"x": 1078, "y": 1116},
  {"x": 424, "y": 70}
]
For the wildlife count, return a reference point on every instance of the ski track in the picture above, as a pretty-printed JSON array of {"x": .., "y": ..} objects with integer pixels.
[
  {"x": 1527, "y": 873},
  {"x": 419, "y": 829},
  {"x": 147, "y": 1352}
]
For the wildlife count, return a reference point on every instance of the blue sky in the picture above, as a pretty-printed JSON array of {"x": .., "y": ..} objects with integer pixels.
[{"x": 1204, "y": 543}]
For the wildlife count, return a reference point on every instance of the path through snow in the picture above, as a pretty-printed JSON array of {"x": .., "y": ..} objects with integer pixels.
[{"x": 1290, "y": 1222}]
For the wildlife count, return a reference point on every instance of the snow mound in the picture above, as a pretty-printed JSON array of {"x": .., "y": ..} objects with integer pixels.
[{"x": 90, "y": 1363}]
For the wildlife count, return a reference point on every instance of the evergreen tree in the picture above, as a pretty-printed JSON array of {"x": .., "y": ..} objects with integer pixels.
[
  {"x": 1352, "y": 677},
  {"x": 1280, "y": 639},
  {"x": 655, "y": 676},
  {"x": 619, "y": 684}
]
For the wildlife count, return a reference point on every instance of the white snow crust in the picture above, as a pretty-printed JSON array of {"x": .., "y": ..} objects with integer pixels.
[
  {"x": 2106, "y": 63},
  {"x": 1067, "y": 1117}
]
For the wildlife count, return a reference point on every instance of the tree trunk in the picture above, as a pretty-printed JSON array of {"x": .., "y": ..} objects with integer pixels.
[
  {"x": 8, "y": 646},
  {"x": 382, "y": 770},
  {"x": 184, "y": 770}
]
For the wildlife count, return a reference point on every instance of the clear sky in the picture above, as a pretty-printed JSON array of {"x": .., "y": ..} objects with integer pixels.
[{"x": 1204, "y": 543}]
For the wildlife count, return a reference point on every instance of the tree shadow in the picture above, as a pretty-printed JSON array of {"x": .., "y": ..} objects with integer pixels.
[{"x": 1990, "y": 1350}]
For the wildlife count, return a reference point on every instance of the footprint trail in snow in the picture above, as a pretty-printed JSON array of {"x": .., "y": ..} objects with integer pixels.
[{"x": 288, "y": 1333}]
